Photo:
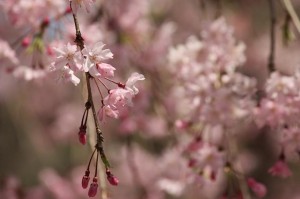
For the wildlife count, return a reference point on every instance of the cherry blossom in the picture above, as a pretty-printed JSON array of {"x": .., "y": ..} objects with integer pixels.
[
  {"x": 32, "y": 12},
  {"x": 94, "y": 58},
  {"x": 28, "y": 74},
  {"x": 107, "y": 110},
  {"x": 69, "y": 56},
  {"x": 281, "y": 169},
  {"x": 7, "y": 55},
  {"x": 132, "y": 80},
  {"x": 68, "y": 75}
]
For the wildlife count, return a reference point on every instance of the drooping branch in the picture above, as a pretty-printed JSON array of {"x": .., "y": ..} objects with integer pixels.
[
  {"x": 271, "y": 61},
  {"x": 80, "y": 43}
]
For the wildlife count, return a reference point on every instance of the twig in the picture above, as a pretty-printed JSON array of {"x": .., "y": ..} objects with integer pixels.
[
  {"x": 80, "y": 42},
  {"x": 271, "y": 64},
  {"x": 99, "y": 135},
  {"x": 290, "y": 9}
]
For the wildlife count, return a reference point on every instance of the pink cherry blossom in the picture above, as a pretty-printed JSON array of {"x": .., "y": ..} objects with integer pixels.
[
  {"x": 68, "y": 55},
  {"x": 107, "y": 110},
  {"x": 94, "y": 56},
  {"x": 32, "y": 12},
  {"x": 7, "y": 55},
  {"x": 68, "y": 75},
  {"x": 105, "y": 70},
  {"x": 119, "y": 97},
  {"x": 27, "y": 73},
  {"x": 208, "y": 157},
  {"x": 281, "y": 169},
  {"x": 132, "y": 80}
]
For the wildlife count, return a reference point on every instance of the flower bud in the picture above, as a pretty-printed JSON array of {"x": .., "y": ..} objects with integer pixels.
[
  {"x": 82, "y": 135},
  {"x": 26, "y": 41},
  {"x": 93, "y": 188},
  {"x": 111, "y": 178},
  {"x": 85, "y": 179}
]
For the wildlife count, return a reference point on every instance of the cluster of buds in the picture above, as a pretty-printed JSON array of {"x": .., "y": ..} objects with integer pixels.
[
  {"x": 94, "y": 184},
  {"x": 86, "y": 178}
]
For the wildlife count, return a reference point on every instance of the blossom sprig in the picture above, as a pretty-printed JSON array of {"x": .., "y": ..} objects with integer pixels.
[
  {"x": 207, "y": 79},
  {"x": 280, "y": 110},
  {"x": 215, "y": 97},
  {"x": 90, "y": 60}
]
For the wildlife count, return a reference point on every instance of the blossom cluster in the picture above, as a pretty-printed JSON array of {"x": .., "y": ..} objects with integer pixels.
[
  {"x": 212, "y": 92},
  {"x": 91, "y": 59},
  {"x": 31, "y": 12},
  {"x": 215, "y": 99}
]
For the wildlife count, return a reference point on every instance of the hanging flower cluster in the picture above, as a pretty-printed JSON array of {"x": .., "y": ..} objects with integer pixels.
[{"x": 90, "y": 60}]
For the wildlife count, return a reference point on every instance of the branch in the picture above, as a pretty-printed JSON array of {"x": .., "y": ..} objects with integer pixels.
[
  {"x": 271, "y": 64},
  {"x": 80, "y": 42}
]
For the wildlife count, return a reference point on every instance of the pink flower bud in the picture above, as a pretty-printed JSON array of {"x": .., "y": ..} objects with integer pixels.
[
  {"x": 85, "y": 180},
  {"x": 182, "y": 125},
  {"x": 46, "y": 21},
  {"x": 68, "y": 10},
  {"x": 93, "y": 188},
  {"x": 259, "y": 189},
  {"x": 213, "y": 175},
  {"x": 111, "y": 178},
  {"x": 82, "y": 135},
  {"x": 26, "y": 41},
  {"x": 49, "y": 51}
]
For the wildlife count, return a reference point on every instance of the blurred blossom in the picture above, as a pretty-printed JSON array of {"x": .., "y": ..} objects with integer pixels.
[{"x": 7, "y": 55}]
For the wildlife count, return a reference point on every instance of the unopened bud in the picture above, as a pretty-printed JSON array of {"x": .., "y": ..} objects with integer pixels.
[
  {"x": 85, "y": 179},
  {"x": 93, "y": 188}
]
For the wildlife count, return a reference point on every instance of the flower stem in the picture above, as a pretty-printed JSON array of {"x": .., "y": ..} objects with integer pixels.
[{"x": 99, "y": 145}]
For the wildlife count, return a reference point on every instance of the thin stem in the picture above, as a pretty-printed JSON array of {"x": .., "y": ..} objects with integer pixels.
[
  {"x": 88, "y": 167},
  {"x": 96, "y": 171},
  {"x": 90, "y": 99},
  {"x": 290, "y": 9},
  {"x": 110, "y": 80},
  {"x": 103, "y": 84},
  {"x": 86, "y": 117},
  {"x": 83, "y": 117},
  {"x": 99, "y": 92},
  {"x": 79, "y": 40},
  {"x": 271, "y": 64}
]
